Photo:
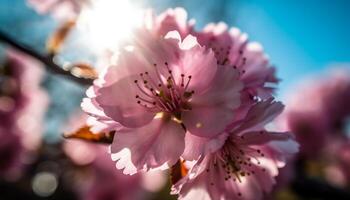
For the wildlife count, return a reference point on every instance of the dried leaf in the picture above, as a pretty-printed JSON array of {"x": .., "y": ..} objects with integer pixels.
[
  {"x": 84, "y": 133},
  {"x": 83, "y": 70},
  {"x": 55, "y": 42},
  {"x": 178, "y": 171}
]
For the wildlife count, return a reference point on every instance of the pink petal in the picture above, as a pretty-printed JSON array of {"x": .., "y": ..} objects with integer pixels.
[
  {"x": 156, "y": 50},
  {"x": 261, "y": 137},
  {"x": 173, "y": 19},
  {"x": 260, "y": 114},
  {"x": 215, "y": 105},
  {"x": 197, "y": 62},
  {"x": 119, "y": 103},
  {"x": 151, "y": 146},
  {"x": 199, "y": 146}
]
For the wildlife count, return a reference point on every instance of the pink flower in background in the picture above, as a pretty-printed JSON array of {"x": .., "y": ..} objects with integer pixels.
[
  {"x": 161, "y": 91},
  {"x": 343, "y": 158},
  {"x": 245, "y": 166},
  {"x": 60, "y": 9},
  {"x": 324, "y": 117},
  {"x": 22, "y": 107},
  {"x": 335, "y": 97},
  {"x": 103, "y": 181},
  {"x": 307, "y": 126},
  {"x": 318, "y": 115},
  {"x": 33, "y": 99},
  {"x": 95, "y": 158}
]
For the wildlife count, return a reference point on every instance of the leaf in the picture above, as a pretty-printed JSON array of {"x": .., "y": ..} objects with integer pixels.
[
  {"x": 55, "y": 42},
  {"x": 84, "y": 133},
  {"x": 83, "y": 70},
  {"x": 178, "y": 171}
]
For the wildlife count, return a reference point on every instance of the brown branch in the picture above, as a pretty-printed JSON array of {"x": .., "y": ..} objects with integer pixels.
[{"x": 46, "y": 60}]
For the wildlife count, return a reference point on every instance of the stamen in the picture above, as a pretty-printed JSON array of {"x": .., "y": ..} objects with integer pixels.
[{"x": 188, "y": 82}]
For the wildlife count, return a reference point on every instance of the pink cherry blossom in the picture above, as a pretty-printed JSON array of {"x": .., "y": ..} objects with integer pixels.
[
  {"x": 161, "y": 91},
  {"x": 232, "y": 48},
  {"x": 246, "y": 164}
]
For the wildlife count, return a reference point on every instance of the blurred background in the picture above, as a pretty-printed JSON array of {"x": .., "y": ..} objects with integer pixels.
[{"x": 303, "y": 39}]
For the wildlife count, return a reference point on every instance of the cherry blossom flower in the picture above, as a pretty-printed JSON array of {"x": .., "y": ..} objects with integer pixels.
[
  {"x": 161, "y": 91},
  {"x": 232, "y": 48},
  {"x": 246, "y": 164}
]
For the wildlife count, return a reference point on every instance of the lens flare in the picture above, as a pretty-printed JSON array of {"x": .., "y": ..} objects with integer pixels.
[{"x": 108, "y": 22}]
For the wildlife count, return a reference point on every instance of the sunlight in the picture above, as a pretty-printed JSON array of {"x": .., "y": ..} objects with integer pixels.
[{"x": 108, "y": 22}]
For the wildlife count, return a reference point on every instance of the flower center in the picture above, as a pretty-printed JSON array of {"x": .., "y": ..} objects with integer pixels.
[
  {"x": 164, "y": 94},
  {"x": 237, "y": 161},
  {"x": 222, "y": 54}
]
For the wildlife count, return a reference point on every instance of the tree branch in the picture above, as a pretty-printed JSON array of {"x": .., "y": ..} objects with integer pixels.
[{"x": 50, "y": 65}]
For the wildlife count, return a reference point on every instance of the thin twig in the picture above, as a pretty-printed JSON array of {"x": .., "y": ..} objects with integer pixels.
[{"x": 46, "y": 60}]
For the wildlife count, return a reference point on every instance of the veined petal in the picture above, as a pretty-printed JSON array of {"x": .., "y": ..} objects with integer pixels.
[
  {"x": 200, "y": 146},
  {"x": 151, "y": 146},
  {"x": 259, "y": 115},
  {"x": 215, "y": 105},
  {"x": 119, "y": 103}
]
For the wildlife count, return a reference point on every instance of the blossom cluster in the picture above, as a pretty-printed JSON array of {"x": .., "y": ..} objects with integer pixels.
[
  {"x": 22, "y": 106},
  {"x": 325, "y": 118},
  {"x": 176, "y": 93}
]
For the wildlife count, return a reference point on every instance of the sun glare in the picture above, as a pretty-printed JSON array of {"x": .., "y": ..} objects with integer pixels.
[{"x": 108, "y": 22}]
